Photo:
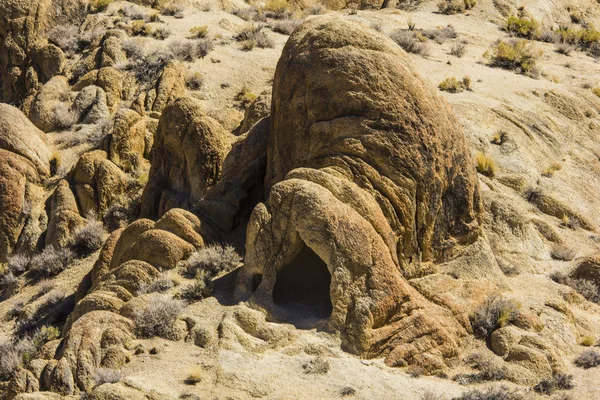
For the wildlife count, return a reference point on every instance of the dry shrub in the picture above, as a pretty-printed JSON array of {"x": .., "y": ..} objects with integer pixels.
[
  {"x": 277, "y": 9},
  {"x": 172, "y": 8},
  {"x": 564, "y": 48},
  {"x": 161, "y": 33},
  {"x": 252, "y": 36},
  {"x": 140, "y": 28},
  {"x": 88, "y": 238},
  {"x": 489, "y": 369},
  {"x": 199, "y": 32},
  {"x": 66, "y": 37},
  {"x": 149, "y": 67},
  {"x": 549, "y": 171},
  {"x": 458, "y": 49},
  {"x": 135, "y": 12},
  {"x": 213, "y": 259},
  {"x": 562, "y": 252},
  {"x": 194, "y": 80},
  {"x": 491, "y": 393},
  {"x": 584, "y": 287},
  {"x": 50, "y": 261},
  {"x": 440, "y": 35},
  {"x": 450, "y": 7},
  {"x": 203, "y": 47},
  {"x": 133, "y": 49},
  {"x": 160, "y": 285},
  {"x": 18, "y": 263},
  {"x": 453, "y": 85},
  {"x": 409, "y": 42},
  {"x": 247, "y": 14},
  {"x": 588, "y": 359},
  {"x": 285, "y": 27},
  {"x": 157, "y": 317},
  {"x": 316, "y": 366},
  {"x": 494, "y": 313},
  {"x": 9, "y": 284},
  {"x": 13, "y": 355}
]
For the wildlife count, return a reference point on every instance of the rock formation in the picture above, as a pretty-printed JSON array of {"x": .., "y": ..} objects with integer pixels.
[{"x": 369, "y": 182}]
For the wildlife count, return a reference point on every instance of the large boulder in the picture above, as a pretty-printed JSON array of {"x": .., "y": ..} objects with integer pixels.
[
  {"x": 369, "y": 182},
  {"x": 24, "y": 164},
  {"x": 187, "y": 156}
]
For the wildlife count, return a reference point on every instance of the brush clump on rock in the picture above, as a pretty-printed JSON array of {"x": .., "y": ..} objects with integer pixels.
[{"x": 368, "y": 178}]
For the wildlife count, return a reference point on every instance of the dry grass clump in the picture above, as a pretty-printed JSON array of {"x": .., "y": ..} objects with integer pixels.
[
  {"x": 316, "y": 366},
  {"x": 523, "y": 26},
  {"x": 587, "y": 340},
  {"x": 252, "y": 36},
  {"x": 588, "y": 359},
  {"x": 429, "y": 395},
  {"x": 277, "y": 9},
  {"x": 516, "y": 55},
  {"x": 596, "y": 91},
  {"x": 140, "y": 28},
  {"x": 485, "y": 165},
  {"x": 159, "y": 285},
  {"x": 100, "y": 5},
  {"x": 107, "y": 375},
  {"x": 499, "y": 137},
  {"x": 459, "y": 49},
  {"x": 50, "y": 262},
  {"x": 247, "y": 13},
  {"x": 491, "y": 393},
  {"x": 450, "y": 7},
  {"x": 453, "y": 85},
  {"x": 157, "y": 317},
  {"x": 584, "y": 287},
  {"x": 440, "y": 35},
  {"x": 410, "y": 41},
  {"x": 194, "y": 377},
  {"x": 549, "y": 171},
  {"x": 585, "y": 39},
  {"x": 199, "y": 32},
  {"x": 194, "y": 80},
  {"x": 172, "y": 9},
  {"x": 88, "y": 238},
  {"x": 494, "y": 313}
]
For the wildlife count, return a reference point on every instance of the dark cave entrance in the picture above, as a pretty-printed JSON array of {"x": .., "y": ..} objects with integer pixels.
[{"x": 302, "y": 288}]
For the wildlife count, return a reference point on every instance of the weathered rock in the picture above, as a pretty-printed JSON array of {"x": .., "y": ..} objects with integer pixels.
[
  {"x": 50, "y": 108},
  {"x": 117, "y": 85},
  {"x": 23, "y": 382},
  {"x": 27, "y": 59},
  {"x": 169, "y": 87},
  {"x": 90, "y": 105},
  {"x": 368, "y": 180},
  {"x": 188, "y": 151},
  {"x": 503, "y": 339},
  {"x": 259, "y": 109},
  {"x": 98, "y": 183},
  {"x": 18, "y": 135},
  {"x": 128, "y": 141},
  {"x": 64, "y": 216},
  {"x": 589, "y": 269},
  {"x": 24, "y": 163}
]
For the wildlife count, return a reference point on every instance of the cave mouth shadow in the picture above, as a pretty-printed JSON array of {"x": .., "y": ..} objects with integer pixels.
[{"x": 302, "y": 290}]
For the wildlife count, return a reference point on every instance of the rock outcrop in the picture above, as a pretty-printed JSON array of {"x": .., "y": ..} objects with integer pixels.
[
  {"x": 187, "y": 157},
  {"x": 24, "y": 163},
  {"x": 369, "y": 183},
  {"x": 27, "y": 59}
]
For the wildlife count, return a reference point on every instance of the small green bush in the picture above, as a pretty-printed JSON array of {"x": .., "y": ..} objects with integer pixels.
[
  {"x": 453, "y": 85},
  {"x": 199, "y": 32},
  {"x": 523, "y": 26},
  {"x": 517, "y": 55},
  {"x": 494, "y": 313}
]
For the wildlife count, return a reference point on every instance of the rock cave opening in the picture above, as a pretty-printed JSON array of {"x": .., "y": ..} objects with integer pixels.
[{"x": 302, "y": 289}]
